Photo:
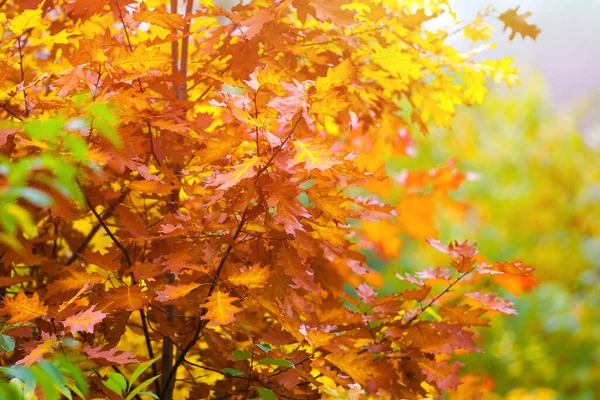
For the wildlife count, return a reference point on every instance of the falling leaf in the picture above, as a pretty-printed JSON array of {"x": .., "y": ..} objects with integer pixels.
[{"x": 518, "y": 24}]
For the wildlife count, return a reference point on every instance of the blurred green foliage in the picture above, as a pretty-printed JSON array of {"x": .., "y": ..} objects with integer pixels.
[
  {"x": 56, "y": 149},
  {"x": 56, "y": 379}
]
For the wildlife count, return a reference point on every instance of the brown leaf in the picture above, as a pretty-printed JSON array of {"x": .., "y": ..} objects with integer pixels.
[{"x": 518, "y": 24}]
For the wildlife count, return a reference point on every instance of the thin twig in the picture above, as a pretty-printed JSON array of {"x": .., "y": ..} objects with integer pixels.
[
  {"x": 95, "y": 229},
  {"x": 107, "y": 230}
]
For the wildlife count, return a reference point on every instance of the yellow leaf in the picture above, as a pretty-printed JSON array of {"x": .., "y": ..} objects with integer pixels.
[
  {"x": 26, "y": 20},
  {"x": 220, "y": 310},
  {"x": 61, "y": 37},
  {"x": 252, "y": 278},
  {"x": 314, "y": 155},
  {"x": 141, "y": 60}
]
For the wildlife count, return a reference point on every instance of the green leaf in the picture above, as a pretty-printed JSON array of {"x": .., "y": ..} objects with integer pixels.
[
  {"x": 6, "y": 342},
  {"x": 263, "y": 346},
  {"x": 140, "y": 370},
  {"x": 105, "y": 121},
  {"x": 233, "y": 372},
  {"x": 45, "y": 130},
  {"x": 24, "y": 374},
  {"x": 241, "y": 355},
  {"x": 76, "y": 390},
  {"x": 56, "y": 376},
  {"x": 46, "y": 382},
  {"x": 266, "y": 394},
  {"x": 74, "y": 372},
  {"x": 242, "y": 327},
  {"x": 13, "y": 216},
  {"x": 117, "y": 385},
  {"x": 12, "y": 390},
  {"x": 76, "y": 146},
  {"x": 141, "y": 387},
  {"x": 276, "y": 361}
]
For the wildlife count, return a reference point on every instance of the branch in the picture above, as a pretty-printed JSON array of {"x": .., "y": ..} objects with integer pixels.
[
  {"x": 108, "y": 232},
  {"x": 149, "y": 346},
  {"x": 270, "y": 161},
  {"x": 443, "y": 292},
  {"x": 185, "y": 50},
  {"x": 95, "y": 229},
  {"x": 202, "y": 323}
]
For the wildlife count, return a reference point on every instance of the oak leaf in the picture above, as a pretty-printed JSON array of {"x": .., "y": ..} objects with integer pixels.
[
  {"x": 110, "y": 355},
  {"x": 84, "y": 321},
  {"x": 493, "y": 302},
  {"x": 37, "y": 353},
  {"x": 173, "y": 292},
  {"x": 241, "y": 171},
  {"x": 518, "y": 24},
  {"x": 23, "y": 309},
  {"x": 167, "y": 20},
  {"x": 464, "y": 315},
  {"x": 221, "y": 311},
  {"x": 443, "y": 374},
  {"x": 252, "y": 278}
]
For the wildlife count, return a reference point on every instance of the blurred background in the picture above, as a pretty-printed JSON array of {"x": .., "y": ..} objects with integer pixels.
[{"x": 533, "y": 158}]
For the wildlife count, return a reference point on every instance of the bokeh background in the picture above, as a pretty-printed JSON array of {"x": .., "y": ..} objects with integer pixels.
[{"x": 533, "y": 154}]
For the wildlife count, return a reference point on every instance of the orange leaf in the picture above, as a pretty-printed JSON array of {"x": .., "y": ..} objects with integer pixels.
[
  {"x": 172, "y": 292},
  {"x": 241, "y": 171},
  {"x": 252, "y": 278},
  {"x": 221, "y": 311},
  {"x": 23, "y": 308}
]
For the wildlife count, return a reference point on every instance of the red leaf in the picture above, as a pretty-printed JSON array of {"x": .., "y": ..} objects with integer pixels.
[{"x": 493, "y": 302}]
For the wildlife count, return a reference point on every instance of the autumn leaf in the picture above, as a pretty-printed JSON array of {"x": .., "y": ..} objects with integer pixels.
[
  {"x": 491, "y": 301},
  {"x": 241, "y": 171},
  {"x": 221, "y": 311},
  {"x": 84, "y": 321},
  {"x": 464, "y": 315},
  {"x": 37, "y": 353},
  {"x": 26, "y": 20},
  {"x": 357, "y": 365},
  {"x": 23, "y": 309},
  {"x": 173, "y": 292},
  {"x": 517, "y": 23},
  {"x": 313, "y": 155},
  {"x": 252, "y": 278},
  {"x": 140, "y": 61},
  {"x": 443, "y": 374},
  {"x": 71, "y": 80},
  {"x": 170, "y": 21},
  {"x": 113, "y": 356}
]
